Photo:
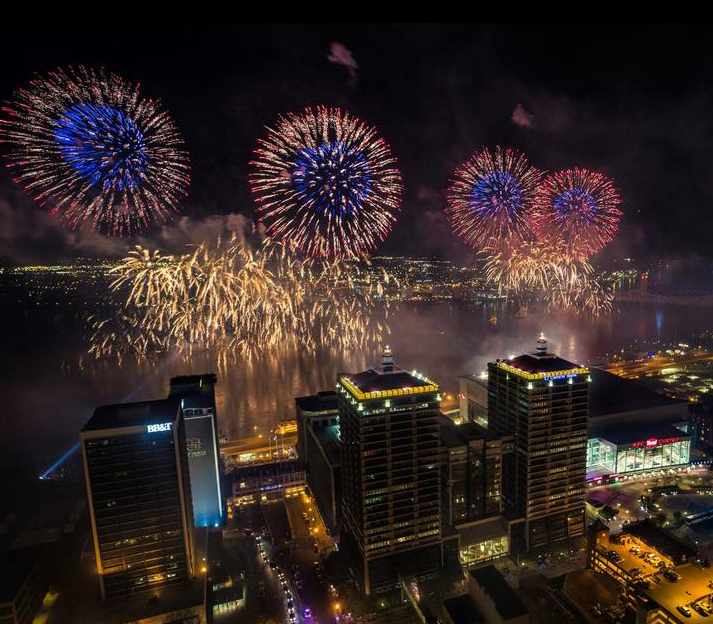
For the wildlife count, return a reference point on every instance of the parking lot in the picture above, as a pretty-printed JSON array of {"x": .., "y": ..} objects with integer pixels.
[{"x": 692, "y": 588}]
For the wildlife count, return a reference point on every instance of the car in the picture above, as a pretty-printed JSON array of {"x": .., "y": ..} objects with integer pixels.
[
  {"x": 290, "y": 604},
  {"x": 684, "y": 610},
  {"x": 670, "y": 576},
  {"x": 699, "y": 609},
  {"x": 285, "y": 587},
  {"x": 273, "y": 565},
  {"x": 306, "y": 612},
  {"x": 656, "y": 579}
]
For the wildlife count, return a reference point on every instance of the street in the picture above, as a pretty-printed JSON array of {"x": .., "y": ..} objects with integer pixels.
[{"x": 288, "y": 540}]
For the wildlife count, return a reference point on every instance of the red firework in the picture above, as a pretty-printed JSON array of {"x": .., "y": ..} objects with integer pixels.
[{"x": 578, "y": 207}]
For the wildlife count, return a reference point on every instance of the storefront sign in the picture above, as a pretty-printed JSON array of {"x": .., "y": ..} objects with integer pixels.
[{"x": 651, "y": 442}]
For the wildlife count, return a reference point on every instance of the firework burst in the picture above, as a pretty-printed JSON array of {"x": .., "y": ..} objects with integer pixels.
[
  {"x": 326, "y": 183},
  {"x": 563, "y": 281},
  {"x": 237, "y": 301},
  {"x": 579, "y": 207},
  {"x": 85, "y": 143},
  {"x": 490, "y": 200}
]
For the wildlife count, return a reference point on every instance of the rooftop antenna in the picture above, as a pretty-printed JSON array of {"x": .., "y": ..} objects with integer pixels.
[
  {"x": 387, "y": 361},
  {"x": 541, "y": 345}
]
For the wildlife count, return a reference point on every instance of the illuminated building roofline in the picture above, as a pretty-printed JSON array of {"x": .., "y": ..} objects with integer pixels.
[
  {"x": 546, "y": 375},
  {"x": 361, "y": 396}
]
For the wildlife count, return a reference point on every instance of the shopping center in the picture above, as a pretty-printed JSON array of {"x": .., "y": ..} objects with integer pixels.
[
  {"x": 633, "y": 429},
  {"x": 622, "y": 450}
]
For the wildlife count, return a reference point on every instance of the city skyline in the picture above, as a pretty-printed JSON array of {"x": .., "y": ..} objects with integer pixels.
[{"x": 356, "y": 324}]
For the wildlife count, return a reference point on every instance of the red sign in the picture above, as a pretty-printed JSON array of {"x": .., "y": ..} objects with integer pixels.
[{"x": 651, "y": 442}]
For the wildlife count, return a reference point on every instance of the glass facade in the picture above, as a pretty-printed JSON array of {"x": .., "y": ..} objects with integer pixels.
[
  {"x": 201, "y": 444},
  {"x": 601, "y": 455},
  {"x": 651, "y": 457},
  {"x": 486, "y": 550},
  {"x": 137, "y": 507},
  {"x": 646, "y": 455}
]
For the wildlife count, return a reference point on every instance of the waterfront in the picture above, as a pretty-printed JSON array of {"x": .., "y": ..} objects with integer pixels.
[{"x": 46, "y": 404}]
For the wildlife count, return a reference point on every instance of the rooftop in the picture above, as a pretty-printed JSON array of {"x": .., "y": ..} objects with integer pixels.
[
  {"x": 691, "y": 586},
  {"x": 540, "y": 364},
  {"x": 506, "y": 601},
  {"x": 372, "y": 384},
  {"x": 462, "y": 610},
  {"x": 197, "y": 398},
  {"x": 373, "y": 381},
  {"x": 611, "y": 394},
  {"x": 660, "y": 540},
  {"x": 533, "y": 363},
  {"x": 481, "y": 379},
  {"x": 320, "y": 402},
  {"x": 133, "y": 414},
  {"x": 630, "y": 433},
  {"x": 453, "y": 435}
]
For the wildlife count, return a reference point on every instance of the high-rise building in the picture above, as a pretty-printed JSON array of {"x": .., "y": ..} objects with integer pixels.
[
  {"x": 473, "y": 399},
  {"x": 543, "y": 401},
  {"x": 471, "y": 471},
  {"x": 138, "y": 489},
  {"x": 391, "y": 515},
  {"x": 319, "y": 449},
  {"x": 316, "y": 412},
  {"x": 197, "y": 399}
]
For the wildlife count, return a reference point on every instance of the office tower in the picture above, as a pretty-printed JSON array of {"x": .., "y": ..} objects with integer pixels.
[
  {"x": 316, "y": 412},
  {"x": 320, "y": 451},
  {"x": 139, "y": 495},
  {"x": 473, "y": 398},
  {"x": 471, "y": 471},
  {"x": 391, "y": 520},
  {"x": 543, "y": 401},
  {"x": 197, "y": 398}
]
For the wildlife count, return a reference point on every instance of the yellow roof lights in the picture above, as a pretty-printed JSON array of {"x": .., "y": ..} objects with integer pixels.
[
  {"x": 546, "y": 375},
  {"x": 361, "y": 396}
]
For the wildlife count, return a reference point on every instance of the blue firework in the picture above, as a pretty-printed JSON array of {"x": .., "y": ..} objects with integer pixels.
[
  {"x": 579, "y": 208},
  {"x": 104, "y": 145},
  {"x": 333, "y": 179},
  {"x": 325, "y": 183},
  {"x": 87, "y": 145},
  {"x": 490, "y": 202},
  {"x": 497, "y": 192}
]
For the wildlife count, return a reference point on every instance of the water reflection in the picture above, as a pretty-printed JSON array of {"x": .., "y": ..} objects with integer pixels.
[{"x": 47, "y": 402}]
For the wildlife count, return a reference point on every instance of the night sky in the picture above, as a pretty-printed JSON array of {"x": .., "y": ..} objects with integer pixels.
[{"x": 634, "y": 102}]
